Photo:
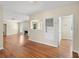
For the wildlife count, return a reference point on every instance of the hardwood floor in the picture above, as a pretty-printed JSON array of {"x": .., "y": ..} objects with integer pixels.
[{"x": 18, "y": 46}]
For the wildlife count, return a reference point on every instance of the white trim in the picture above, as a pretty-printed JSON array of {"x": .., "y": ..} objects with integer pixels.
[
  {"x": 53, "y": 45},
  {"x": 1, "y": 48}
]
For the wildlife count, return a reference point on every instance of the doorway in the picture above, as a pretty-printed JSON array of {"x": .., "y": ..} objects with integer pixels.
[
  {"x": 66, "y": 33},
  {"x": 20, "y": 28},
  {"x": 67, "y": 27},
  {"x": 4, "y": 29}
]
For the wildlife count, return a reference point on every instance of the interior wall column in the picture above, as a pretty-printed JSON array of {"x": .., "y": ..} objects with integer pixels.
[{"x": 18, "y": 27}]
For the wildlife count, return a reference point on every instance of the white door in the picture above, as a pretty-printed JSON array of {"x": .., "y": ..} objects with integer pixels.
[{"x": 67, "y": 27}]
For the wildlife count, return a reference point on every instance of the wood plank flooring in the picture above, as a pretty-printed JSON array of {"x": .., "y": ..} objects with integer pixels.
[{"x": 18, "y": 46}]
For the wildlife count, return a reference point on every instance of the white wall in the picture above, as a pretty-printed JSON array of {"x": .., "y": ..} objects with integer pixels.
[
  {"x": 23, "y": 26},
  {"x": 67, "y": 27},
  {"x": 46, "y": 37},
  {"x": 12, "y": 27},
  {"x": 1, "y": 35},
  {"x": 1, "y": 28},
  {"x": 60, "y": 11}
]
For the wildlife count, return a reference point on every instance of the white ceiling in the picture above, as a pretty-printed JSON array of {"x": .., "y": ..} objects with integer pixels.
[{"x": 29, "y": 8}]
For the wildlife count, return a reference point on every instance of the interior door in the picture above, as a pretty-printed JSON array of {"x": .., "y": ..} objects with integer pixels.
[
  {"x": 67, "y": 28},
  {"x": 4, "y": 29}
]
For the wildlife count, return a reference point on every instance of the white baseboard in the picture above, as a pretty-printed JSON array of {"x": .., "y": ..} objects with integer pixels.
[
  {"x": 1, "y": 48},
  {"x": 53, "y": 45}
]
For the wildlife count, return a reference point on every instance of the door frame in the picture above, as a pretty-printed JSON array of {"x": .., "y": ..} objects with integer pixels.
[{"x": 72, "y": 27}]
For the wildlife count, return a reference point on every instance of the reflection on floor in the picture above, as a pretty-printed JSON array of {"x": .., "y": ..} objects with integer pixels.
[{"x": 18, "y": 46}]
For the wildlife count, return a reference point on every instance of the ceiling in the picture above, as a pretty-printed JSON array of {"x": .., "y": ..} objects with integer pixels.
[{"x": 30, "y": 7}]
